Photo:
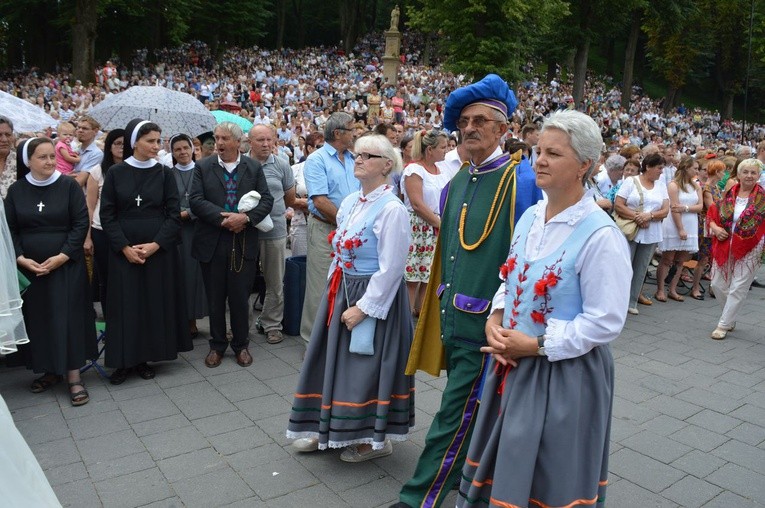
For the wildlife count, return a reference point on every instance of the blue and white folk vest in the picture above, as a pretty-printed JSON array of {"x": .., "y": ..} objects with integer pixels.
[
  {"x": 549, "y": 286},
  {"x": 355, "y": 247}
]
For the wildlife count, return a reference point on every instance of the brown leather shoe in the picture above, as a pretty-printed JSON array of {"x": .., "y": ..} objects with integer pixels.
[
  {"x": 243, "y": 358},
  {"x": 213, "y": 358}
]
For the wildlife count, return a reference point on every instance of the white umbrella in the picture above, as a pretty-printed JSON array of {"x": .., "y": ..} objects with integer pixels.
[
  {"x": 174, "y": 112},
  {"x": 26, "y": 117}
]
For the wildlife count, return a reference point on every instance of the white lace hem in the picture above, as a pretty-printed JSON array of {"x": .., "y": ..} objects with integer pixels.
[{"x": 376, "y": 445}]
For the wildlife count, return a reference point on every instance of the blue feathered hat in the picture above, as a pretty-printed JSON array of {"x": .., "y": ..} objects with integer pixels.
[{"x": 491, "y": 91}]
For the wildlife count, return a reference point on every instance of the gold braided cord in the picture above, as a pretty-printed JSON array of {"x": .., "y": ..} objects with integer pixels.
[{"x": 491, "y": 220}]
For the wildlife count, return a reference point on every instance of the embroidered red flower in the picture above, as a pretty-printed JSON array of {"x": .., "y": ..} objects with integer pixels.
[
  {"x": 540, "y": 287},
  {"x": 348, "y": 244},
  {"x": 331, "y": 236},
  {"x": 507, "y": 267},
  {"x": 348, "y": 264},
  {"x": 537, "y": 317},
  {"x": 551, "y": 280}
]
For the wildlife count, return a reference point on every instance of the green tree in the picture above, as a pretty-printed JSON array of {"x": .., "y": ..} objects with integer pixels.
[
  {"x": 729, "y": 27},
  {"x": 477, "y": 37},
  {"x": 674, "y": 43},
  {"x": 223, "y": 23}
]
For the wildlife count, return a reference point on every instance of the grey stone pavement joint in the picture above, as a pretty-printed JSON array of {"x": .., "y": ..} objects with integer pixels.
[{"x": 688, "y": 425}]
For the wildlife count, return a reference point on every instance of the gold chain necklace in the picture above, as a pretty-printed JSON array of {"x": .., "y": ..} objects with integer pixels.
[{"x": 491, "y": 219}]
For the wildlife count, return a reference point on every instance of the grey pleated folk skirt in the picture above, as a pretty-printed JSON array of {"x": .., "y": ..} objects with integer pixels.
[
  {"x": 345, "y": 398},
  {"x": 541, "y": 438}
]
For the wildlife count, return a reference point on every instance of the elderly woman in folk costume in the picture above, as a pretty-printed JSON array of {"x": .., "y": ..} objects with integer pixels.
[
  {"x": 546, "y": 404},
  {"x": 353, "y": 391}
]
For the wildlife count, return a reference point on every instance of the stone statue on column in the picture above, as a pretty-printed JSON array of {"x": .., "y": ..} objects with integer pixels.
[
  {"x": 390, "y": 58},
  {"x": 394, "y": 17}
]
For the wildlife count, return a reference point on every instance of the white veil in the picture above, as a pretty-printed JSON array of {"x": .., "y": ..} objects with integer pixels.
[{"x": 12, "y": 330}]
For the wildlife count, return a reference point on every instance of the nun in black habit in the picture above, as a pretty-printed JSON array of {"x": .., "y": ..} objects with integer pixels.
[
  {"x": 48, "y": 221},
  {"x": 140, "y": 214}
]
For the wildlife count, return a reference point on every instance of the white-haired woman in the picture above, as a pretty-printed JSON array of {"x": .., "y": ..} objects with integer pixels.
[
  {"x": 421, "y": 184},
  {"x": 353, "y": 391},
  {"x": 546, "y": 404},
  {"x": 737, "y": 225}
]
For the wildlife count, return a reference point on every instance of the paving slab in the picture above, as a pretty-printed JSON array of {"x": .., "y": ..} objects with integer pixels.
[{"x": 688, "y": 426}]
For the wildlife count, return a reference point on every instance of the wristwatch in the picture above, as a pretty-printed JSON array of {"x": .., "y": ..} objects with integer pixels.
[{"x": 541, "y": 346}]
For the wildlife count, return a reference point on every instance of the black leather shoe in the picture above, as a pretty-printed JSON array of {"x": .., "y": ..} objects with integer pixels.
[
  {"x": 756, "y": 284},
  {"x": 118, "y": 376},
  {"x": 144, "y": 371}
]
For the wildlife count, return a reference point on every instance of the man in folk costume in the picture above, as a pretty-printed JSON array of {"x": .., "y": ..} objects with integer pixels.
[{"x": 479, "y": 210}]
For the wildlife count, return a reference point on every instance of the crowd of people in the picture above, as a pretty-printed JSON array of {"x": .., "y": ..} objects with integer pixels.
[{"x": 406, "y": 199}]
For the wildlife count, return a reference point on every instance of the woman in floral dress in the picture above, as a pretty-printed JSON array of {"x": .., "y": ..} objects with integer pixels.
[{"x": 421, "y": 184}]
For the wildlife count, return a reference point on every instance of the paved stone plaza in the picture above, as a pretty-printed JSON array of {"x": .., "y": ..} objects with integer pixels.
[{"x": 688, "y": 426}]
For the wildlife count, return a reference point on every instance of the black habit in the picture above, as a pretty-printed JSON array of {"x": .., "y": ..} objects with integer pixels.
[
  {"x": 45, "y": 221},
  {"x": 147, "y": 311}
]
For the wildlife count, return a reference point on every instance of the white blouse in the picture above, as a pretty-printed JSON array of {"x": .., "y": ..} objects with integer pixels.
[
  {"x": 653, "y": 200},
  {"x": 391, "y": 227},
  {"x": 432, "y": 185},
  {"x": 605, "y": 272}
]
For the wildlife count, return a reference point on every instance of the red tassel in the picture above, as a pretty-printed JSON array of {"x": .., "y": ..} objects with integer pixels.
[{"x": 334, "y": 285}]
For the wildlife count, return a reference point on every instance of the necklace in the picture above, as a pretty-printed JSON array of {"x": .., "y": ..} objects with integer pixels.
[
  {"x": 137, "y": 188},
  {"x": 186, "y": 184}
]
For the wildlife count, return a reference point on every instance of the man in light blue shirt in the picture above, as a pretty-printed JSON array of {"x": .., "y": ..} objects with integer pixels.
[
  {"x": 329, "y": 179},
  {"x": 90, "y": 155}
]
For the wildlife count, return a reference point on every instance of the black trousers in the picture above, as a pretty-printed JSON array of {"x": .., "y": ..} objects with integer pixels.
[{"x": 229, "y": 280}]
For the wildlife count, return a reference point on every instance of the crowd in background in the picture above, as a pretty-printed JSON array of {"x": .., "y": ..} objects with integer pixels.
[{"x": 302, "y": 87}]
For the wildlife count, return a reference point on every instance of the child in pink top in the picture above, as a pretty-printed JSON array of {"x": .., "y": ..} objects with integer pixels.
[{"x": 66, "y": 158}]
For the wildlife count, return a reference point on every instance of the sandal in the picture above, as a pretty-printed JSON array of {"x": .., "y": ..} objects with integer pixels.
[
  {"x": 676, "y": 297},
  {"x": 662, "y": 299},
  {"x": 44, "y": 382},
  {"x": 144, "y": 371},
  {"x": 698, "y": 296},
  {"x": 81, "y": 397}
]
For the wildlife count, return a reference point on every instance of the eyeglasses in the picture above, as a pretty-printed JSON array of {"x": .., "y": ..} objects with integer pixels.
[
  {"x": 478, "y": 121},
  {"x": 366, "y": 156}
]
